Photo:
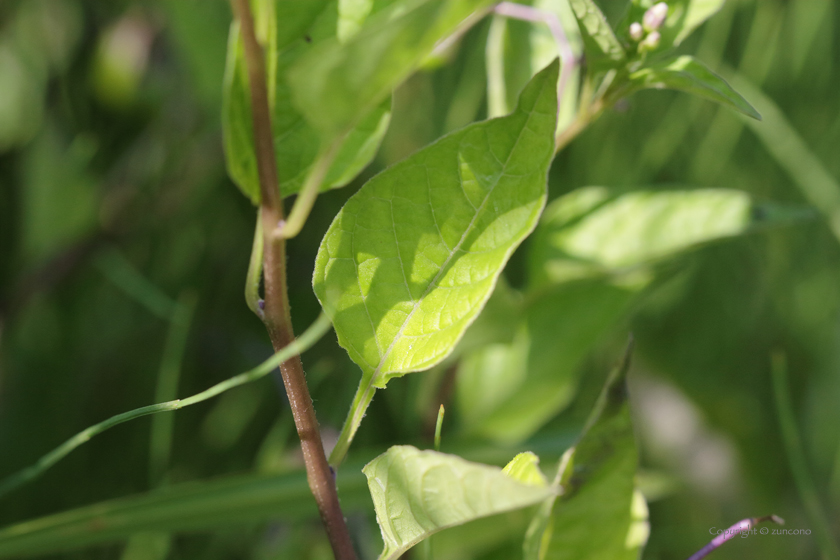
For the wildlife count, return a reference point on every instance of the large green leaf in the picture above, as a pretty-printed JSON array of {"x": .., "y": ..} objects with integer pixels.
[
  {"x": 334, "y": 84},
  {"x": 594, "y": 518},
  {"x": 413, "y": 256},
  {"x": 686, "y": 73},
  {"x": 684, "y": 16},
  {"x": 591, "y": 232},
  {"x": 288, "y": 36},
  {"x": 603, "y": 50},
  {"x": 417, "y": 493}
]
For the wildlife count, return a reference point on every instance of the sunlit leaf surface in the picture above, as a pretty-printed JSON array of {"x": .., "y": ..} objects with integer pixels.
[
  {"x": 417, "y": 493},
  {"x": 412, "y": 257}
]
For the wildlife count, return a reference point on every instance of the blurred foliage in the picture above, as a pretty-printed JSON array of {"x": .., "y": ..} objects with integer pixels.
[{"x": 111, "y": 144}]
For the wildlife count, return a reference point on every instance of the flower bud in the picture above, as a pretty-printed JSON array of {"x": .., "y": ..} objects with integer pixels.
[
  {"x": 655, "y": 16},
  {"x": 650, "y": 42},
  {"x": 636, "y": 31}
]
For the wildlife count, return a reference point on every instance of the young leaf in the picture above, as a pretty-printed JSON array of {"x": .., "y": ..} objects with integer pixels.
[
  {"x": 684, "y": 16},
  {"x": 334, "y": 84},
  {"x": 417, "y": 493},
  {"x": 686, "y": 73},
  {"x": 525, "y": 468},
  {"x": 603, "y": 50},
  {"x": 594, "y": 517},
  {"x": 296, "y": 143},
  {"x": 413, "y": 256}
]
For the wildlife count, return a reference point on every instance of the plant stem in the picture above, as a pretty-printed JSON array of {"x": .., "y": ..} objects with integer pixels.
[
  {"x": 309, "y": 192},
  {"x": 276, "y": 313},
  {"x": 364, "y": 395},
  {"x": 255, "y": 267},
  {"x": 796, "y": 458},
  {"x": 307, "y": 339}
]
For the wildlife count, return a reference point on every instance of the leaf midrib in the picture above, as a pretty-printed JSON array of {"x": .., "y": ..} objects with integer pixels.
[{"x": 378, "y": 370}]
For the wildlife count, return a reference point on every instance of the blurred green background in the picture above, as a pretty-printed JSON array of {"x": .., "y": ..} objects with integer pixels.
[{"x": 115, "y": 210}]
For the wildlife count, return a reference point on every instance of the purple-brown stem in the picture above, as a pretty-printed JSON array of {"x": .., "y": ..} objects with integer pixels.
[
  {"x": 739, "y": 528},
  {"x": 275, "y": 308}
]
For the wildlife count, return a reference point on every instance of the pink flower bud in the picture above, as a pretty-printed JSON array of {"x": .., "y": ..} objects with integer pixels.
[
  {"x": 636, "y": 31},
  {"x": 655, "y": 16},
  {"x": 650, "y": 42}
]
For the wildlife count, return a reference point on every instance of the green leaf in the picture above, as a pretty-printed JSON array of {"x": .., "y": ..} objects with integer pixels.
[
  {"x": 686, "y": 73},
  {"x": 591, "y": 257},
  {"x": 525, "y": 468},
  {"x": 333, "y": 84},
  {"x": 597, "y": 515},
  {"x": 297, "y": 144},
  {"x": 351, "y": 16},
  {"x": 603, "y": 50},
  {"x": 418, "y": 493},
  {"x": 591, "y": 232},
  {"x": 506, "y": 392},
  {"x": 684, "y": 16},
  {"x": 412, "y": 257}
]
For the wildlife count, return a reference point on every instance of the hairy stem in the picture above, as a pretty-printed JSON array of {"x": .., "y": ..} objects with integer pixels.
[
  {"x": 307, "y": 339},
  {"x": 276, "y": 312},
  {"x": 364, "y": 395}
]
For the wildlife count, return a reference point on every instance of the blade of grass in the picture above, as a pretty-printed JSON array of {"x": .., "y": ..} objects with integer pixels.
[
  {"x": 238, "y": 500},
  {"x": 307, "y": 339},
  {"x": 221, "y": 503},
  {"x": 796, "y": 458},
  {"x": 119, "y": 271},
  {"x": 791, "y": 152},
  {"x": 160, "y": 444}
]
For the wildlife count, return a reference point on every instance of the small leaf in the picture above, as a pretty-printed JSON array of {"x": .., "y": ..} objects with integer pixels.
[
  {"x": 296, "y": 143},
  {"x": 334, "y": 84},
  {"x": 417, "y": 493},
  {"x": 597, "y": 515},
  {"x": 412, "y": 257},
  {"x": 685, "y": 73},
  {"x": 684, "y": 16},
  {"x": 525, "y": 468},
  {"x": 603, "y": 50}
]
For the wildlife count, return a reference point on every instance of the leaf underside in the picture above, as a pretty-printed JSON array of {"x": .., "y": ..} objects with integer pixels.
[
  {"x": 411, "y": 259},
  {"x": 685, "y": 73},
  {"x": 417, "y": 493}
]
